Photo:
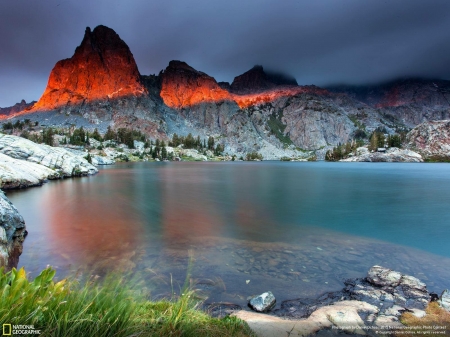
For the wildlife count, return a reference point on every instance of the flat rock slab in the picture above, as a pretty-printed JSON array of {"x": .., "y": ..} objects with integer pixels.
[{"x": 341, "y": 318}]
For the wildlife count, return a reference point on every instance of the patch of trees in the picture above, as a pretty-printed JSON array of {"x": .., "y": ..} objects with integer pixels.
[
  {"x": 254, "y": 156},
  {"x": 191, "y": 142},
  {"x": 342, "y": 151}
]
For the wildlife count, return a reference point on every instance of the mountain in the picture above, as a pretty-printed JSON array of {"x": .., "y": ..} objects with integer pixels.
[
  {"x": 4, "y": 112},
  {"x": 263, "y": 111},
  {"x": 257, "y": 80},
  {"x": 102, "y": 66},
  {"x": 183, "y": 86},
  {"x": 411, "y": 101}
]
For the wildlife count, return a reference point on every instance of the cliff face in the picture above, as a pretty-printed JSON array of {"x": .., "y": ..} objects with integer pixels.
[
  {"x": 431, "y": 139},
  {"x": 102, "y": 67}
]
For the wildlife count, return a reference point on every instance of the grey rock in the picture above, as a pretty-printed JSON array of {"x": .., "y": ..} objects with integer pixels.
[
  {"x": 12, "y": 233},
  {"x": 444, "y": 300},
  {"x": 390, "y": 291},
  {"x": 263, "y": 303},
  {"x": 431, "y": 139},
  {"x": 391, "y": 155},
  {"x": 65, "y": 163},
  {"x": 15, "y": 173},
  {"x": 99, "y": 160}
]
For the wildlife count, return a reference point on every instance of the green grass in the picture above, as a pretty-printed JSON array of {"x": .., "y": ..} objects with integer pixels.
[{"x": 107, "y": 306}]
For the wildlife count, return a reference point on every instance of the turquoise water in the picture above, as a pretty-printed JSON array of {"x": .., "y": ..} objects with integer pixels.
[{"x": 297, "y": 229}]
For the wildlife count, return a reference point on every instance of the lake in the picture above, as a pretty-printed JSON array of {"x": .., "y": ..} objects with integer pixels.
[{"x": 297, "y": 229}]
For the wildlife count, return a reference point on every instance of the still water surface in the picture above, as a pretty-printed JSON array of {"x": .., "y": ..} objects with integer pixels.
[{"x": 297, "y": 229}]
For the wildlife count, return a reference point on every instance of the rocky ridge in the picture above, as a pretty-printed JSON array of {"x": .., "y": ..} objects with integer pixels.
[
  {"x": 16, "y": 108},
  {"x": 260, "y": 111}
]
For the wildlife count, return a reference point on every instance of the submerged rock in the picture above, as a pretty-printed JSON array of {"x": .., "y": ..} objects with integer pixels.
[
  {"x": 12, "y": 233},
  {"x": 262, "y": 303}
]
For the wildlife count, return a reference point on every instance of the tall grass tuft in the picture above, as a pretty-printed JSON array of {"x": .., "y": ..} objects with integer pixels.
[
  {"x": 66, "y": 308},
  {"x": 108, "y": 307}
]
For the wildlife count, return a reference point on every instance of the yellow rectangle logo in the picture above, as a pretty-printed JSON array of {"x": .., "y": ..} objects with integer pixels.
[{"x": 7, "y": 330}]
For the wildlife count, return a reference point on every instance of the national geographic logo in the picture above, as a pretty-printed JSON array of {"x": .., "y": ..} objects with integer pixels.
[{"x": 19, "y": 330}]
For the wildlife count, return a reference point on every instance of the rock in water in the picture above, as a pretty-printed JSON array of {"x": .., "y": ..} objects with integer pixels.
[
  {"x": 444, "y": 300},
  {"x": 12, "y": 233},
  {"x": 263, "y": 302}
]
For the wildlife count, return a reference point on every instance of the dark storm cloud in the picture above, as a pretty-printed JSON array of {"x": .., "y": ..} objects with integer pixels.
[{"x": 318, "y": 42}]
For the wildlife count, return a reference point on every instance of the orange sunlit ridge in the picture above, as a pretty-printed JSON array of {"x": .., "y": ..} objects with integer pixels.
[{"x": 177, "y": 101}]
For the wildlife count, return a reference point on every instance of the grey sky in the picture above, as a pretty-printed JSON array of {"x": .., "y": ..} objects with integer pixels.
[{"x": 317, "y": 41}]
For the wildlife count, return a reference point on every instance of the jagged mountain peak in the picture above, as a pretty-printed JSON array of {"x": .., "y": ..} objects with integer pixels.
[{"x": 102, "y": 67}]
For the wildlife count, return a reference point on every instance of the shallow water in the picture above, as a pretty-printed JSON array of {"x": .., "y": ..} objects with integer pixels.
[{"x": 297, "y": 229}]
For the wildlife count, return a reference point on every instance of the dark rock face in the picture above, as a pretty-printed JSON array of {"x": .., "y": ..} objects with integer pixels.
[
  {"x": 102, "y": 67},
  {"x": 390, "y": 291},
  {"x": 12, "y": 233},
  {"x": 257, "y": 80}
]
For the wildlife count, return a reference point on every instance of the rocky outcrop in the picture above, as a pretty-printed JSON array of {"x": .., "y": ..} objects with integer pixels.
[
  {"x": 365, "y": 306},
  {"x": 101, "y": 68},
  {"x": 61, "y": 162},
  {"x": 391, "y": 292},
  {"x": 431, "y": 139},
  {"x": 257, "y": 80},
  {"x": 12, "y": 233},
  {"x": 183, "y": 86},
  {"x": 391, "y": 155},
  {"x": 15, "y": 173}
]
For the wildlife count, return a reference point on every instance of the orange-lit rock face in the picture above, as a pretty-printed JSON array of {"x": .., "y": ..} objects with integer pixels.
[
  {"x": 245, "y": 101},
  {"x": 102, "y": 67},
  {"x": 183, "y": 86}
]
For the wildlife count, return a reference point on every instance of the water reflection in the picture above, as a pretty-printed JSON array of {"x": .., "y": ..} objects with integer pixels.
[{"x": 296, "y": 229}]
